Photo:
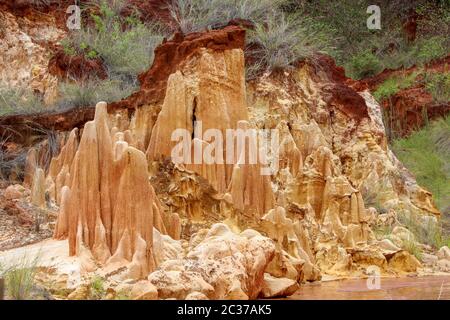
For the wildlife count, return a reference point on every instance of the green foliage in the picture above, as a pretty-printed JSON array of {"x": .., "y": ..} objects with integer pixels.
[
  {"x": 88, "y": 93},
  {"x": 364, "y": 64},
  {"x": 19, "y": 278},
  {"x": 18, "y": 101},
  {"x": 430, "y": 49},
  {"x": 125, "y": 45},
  {"x": 282, "y": 40},
  {"x": 382, "y": 232},
  {"x": 425, "y": 153},
  {"x": 425, "y": 231},
  {"x": 364, "y": 52},
  {"x": 393, "y": 85},
  {"x": 68, "y": 48},
  {"x": 412, "y": 247},
  {"x": 438, "y": 84},
  {"x": 97, "y": 288},
  {"x": 201, "y": 15}
]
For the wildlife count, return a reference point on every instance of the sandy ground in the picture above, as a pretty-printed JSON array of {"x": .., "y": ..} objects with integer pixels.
[
  {"x": 55, "y": 254},
  {"x": 49, "y": 253}
]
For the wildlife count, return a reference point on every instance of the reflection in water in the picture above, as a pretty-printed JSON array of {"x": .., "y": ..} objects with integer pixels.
[{"x": 425, "y": 288}]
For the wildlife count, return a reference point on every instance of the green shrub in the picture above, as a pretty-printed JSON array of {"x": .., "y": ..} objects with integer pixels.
[
  {"x": 429, "y": 233},
  {"x": 87, "y": 94},
  {"x": 364, "y": 64},
  {"x": 412, "y": 247},
  {"x": 201, "y": 15},
  {"x": 360, "y": 49},
  {"x": 19, "y": 278},
  {"x": 430, "y": 49},
  {"x": 425, "y": 153},
  {"x": 438, "y": 84},
  {"x": 393, "y": 85},
  {"x": 19, "y": 101},
  {"x": 97, "y": 288},
  {"x": 280, "y": 40},
  {"x": 126, "y": 45}
]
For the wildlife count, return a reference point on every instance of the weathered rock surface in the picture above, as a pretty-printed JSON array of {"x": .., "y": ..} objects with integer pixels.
[
  {"x": 278, "y": 287},
  {"x": 24, "y": 51},
  {"x": 127, "y": 208},
  {"x": 107, "y": 203},
  {"x": 144, "y": 290},
  {"x": 222, "y": 265}
]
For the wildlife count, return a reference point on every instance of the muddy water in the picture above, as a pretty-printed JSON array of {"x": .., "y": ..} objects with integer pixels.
[{"x": 427, "y": 288}]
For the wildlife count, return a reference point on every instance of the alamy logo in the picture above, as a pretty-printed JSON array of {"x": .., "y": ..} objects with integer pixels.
[
  {"x": 74, "y": 20},
  {"x": 374, "y": 21},
  {"x": 374, "y": 280},
  {"x": 241, "y": 146}
]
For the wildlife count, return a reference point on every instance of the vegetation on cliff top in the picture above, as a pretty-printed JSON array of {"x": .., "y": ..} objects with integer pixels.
[{"x": 279, "y": 33}]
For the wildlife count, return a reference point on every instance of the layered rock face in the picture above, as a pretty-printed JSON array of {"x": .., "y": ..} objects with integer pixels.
[
  {"x": 333, "y": 155},
  {"x": 209, "y": 93},
  {"x": 220, "y": 265},
  {"x": 24, "y": 51},
  {"x": 124, "y": 202}
]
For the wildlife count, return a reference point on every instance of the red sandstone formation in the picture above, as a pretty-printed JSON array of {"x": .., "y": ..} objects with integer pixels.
[
  {"x": 107, "y": 202},
  {"x": 412, "y": 107},
  {"x": 171, "y": 54}
]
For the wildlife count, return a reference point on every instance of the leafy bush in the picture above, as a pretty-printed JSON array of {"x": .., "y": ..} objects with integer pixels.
[
  {"x": 364, "y": 64},
  {"x": 363, "y": 51},
  {"x": 438, "y": 84}
]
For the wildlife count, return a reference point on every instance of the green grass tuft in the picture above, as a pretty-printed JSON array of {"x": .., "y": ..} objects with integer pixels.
[
  {"x": 20, "y": 277},
  {"x": 97, "y": 288},
  {"x": 425, "y": 153},
  {"x": 438, "y": 85},
  {"x": 393, "y": 85}
]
